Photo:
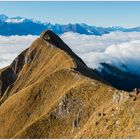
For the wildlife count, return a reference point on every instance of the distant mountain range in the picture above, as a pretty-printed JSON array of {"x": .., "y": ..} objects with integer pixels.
[{"x": 24, "y": 26}]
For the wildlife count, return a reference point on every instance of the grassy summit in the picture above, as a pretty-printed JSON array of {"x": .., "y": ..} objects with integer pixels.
[{"x": 49, "y": 92}]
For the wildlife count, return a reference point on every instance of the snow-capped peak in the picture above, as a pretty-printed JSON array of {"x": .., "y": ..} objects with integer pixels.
[
  {"x": 5, "y": 18},
  {"x": 15, "y": 20}
]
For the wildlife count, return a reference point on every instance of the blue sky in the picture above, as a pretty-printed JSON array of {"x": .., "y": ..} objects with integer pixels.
[{"x": 125, "y": 14}]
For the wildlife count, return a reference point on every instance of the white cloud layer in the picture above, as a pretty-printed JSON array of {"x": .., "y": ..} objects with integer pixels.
[
  {"x": 11, "y": 46},
  {"x": 117, "y": 48}
]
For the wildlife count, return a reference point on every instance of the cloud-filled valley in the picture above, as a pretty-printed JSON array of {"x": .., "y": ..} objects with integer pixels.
[{"x": 117, "y": 48}]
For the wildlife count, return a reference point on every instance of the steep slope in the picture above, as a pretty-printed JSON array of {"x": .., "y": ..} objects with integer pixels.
[
  {"x": 9, "y": 74},
  {"x": 53, "y": 94},
  {"x": 123, "y": 80},
  {"x": 41, "y": 59}
]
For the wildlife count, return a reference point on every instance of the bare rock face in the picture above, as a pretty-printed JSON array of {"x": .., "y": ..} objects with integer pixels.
[
  {"x": 120, "y": 97},
  {"x": 7, "y": 78}
]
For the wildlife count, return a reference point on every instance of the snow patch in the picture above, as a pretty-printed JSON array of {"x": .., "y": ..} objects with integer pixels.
[{"x": 14, "y": 20}]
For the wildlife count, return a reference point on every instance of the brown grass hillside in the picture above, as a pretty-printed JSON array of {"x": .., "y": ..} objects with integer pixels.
[{"x": 48, "y": 92}]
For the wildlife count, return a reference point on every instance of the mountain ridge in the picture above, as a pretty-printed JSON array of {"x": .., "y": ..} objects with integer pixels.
[
  {"x": 12, "y": 73},
  {"x": 51, "y": 97}
]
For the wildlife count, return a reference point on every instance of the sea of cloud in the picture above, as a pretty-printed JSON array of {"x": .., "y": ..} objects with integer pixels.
[
  {"x": 11, "y": 46},
  {"x": 116, "y": 48}
]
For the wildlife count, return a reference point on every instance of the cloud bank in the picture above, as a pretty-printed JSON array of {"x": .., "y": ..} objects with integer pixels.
[
  {"x": 11, "y": 46},
  {"x": 117, "y": 48}
]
